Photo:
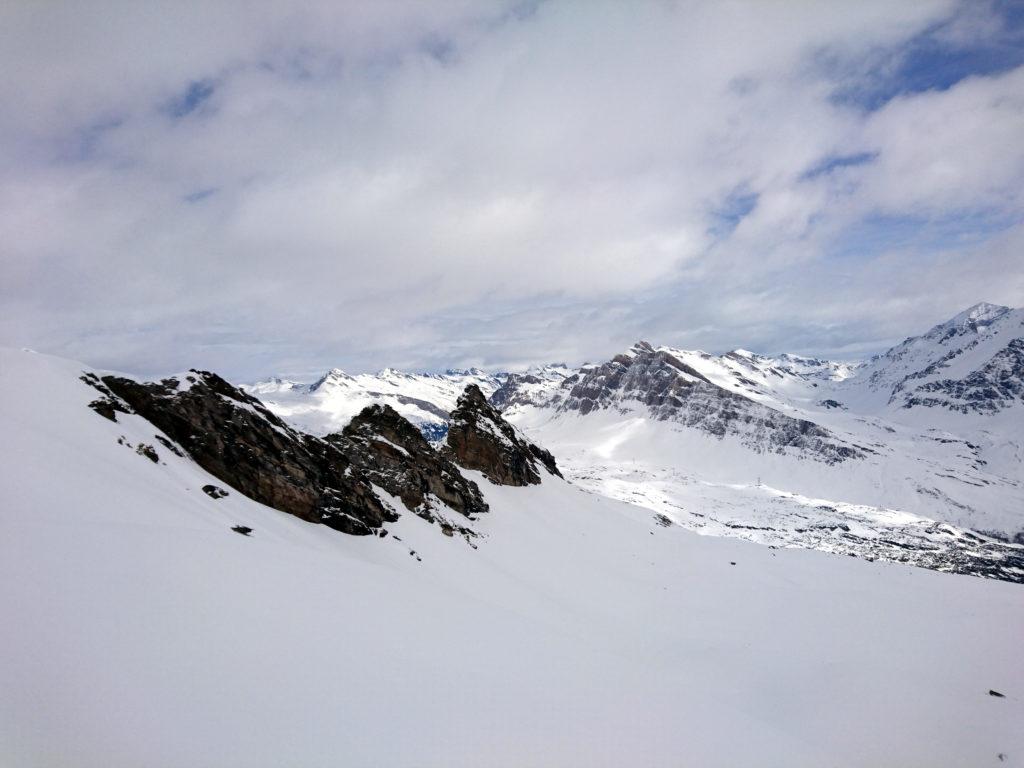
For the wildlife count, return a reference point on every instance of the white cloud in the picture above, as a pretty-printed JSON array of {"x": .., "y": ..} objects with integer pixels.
[{"x": 371, "y": 183}]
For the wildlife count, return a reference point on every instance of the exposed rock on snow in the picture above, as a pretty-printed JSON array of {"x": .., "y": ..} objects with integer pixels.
[
  {"x": 534, "y": 387},
  {"x": 330, "y": 480},
  {"x": 675, "y": 391},
  {"x": 970, "y": 364},
  {"x": 394, "y": 455},
  {"x": 214, "y": 491},
  {"x": 480, "y": 439},
  {"x": 235, "y": 438}
]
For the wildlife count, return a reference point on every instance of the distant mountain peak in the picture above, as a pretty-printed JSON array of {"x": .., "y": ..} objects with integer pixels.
[
  {"x": 641, "y": 347},
  {"x": 334, "y": 375},
  {"x": 975, "y": 318}
]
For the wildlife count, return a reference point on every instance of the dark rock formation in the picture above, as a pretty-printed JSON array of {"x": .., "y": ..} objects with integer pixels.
[
  {"x": 214, "y": 491},
  {"x": 108, "y": 405},
  {"x": 236, "y": 439},
  {"x": 995, "y": 386},
  {"x": 480, "y": 439},
  {"x": 394, "y": 455},
  {"x": 538, "y": 387},
  {"x": 149, "y": 452},
  {"x": 674, "y": 391},
  {"x": 327, "y": 480}
]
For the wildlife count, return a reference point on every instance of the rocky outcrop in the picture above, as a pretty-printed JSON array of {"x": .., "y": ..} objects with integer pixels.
[
  {"x": 237, "y": 440},
  {"x": 539, "y": 386},
  {"x": 328, "y": 480},
  {"x": 480, "y": 439},
  {"x": 671, "y": 390},
  {"x": 997, "y": 385},
  {"x": 395, "y": 456}
]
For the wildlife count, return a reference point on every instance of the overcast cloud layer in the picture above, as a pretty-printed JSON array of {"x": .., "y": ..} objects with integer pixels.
[{"x": 427, "y": 185}]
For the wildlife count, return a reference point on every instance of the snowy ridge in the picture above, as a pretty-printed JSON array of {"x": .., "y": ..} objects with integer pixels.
[{"x": 970, "y": 364}]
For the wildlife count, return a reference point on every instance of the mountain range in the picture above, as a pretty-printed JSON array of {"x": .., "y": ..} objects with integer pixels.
[
  {"x": 915, "y": 455},
  {"x": 507, "y": 568}
]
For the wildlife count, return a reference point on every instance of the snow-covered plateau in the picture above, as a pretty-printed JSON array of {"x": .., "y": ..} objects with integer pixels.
[{"x": 179, "y": 585}]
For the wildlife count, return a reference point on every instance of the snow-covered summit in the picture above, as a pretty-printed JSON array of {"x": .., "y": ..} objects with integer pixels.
[{"x": 972, "y": 364}]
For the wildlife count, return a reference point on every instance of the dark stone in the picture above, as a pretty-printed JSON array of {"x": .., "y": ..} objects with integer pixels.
[
  {"x": 236, "y": 439},
  {"x": 394, "y": 455},
  {"x": 148, "y": 451},
  {"x": 169, "y": 445},
  {"x": 480, "y": 439},
  {"x": 107, "y": 406},
  {"x": 214, "y": 492},
  {"x": 242, "y": 529},
  {"x": 997, "y": 694}
]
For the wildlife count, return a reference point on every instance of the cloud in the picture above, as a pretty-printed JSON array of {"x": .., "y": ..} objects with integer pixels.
[{"x": 269, "y": 188}]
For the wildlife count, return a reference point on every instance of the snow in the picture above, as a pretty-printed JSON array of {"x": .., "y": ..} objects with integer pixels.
[{"x": 140, "y": 630}]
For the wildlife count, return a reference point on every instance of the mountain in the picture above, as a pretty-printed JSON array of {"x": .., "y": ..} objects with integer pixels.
[
  {"x": 156, "y": 613},
  {"x": 329, "y": 403},
  {"x": 790, "y": 451},
  {"x": 328, "y": 480},
  {"x": 972, "y": 364},
  {"x": 914, "y": 456},
  {"x": 663, "y": 386}
]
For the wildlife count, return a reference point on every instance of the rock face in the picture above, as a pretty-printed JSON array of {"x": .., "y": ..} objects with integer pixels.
[
  {"x": 996, "y": 385},
  {"x": 394, "y": 455},
  {"x": 328, "y": 480},
  {"x": 671, "y": 390},
  {"x": 480, "y": 439},
  {"x": 234, "y": 438},
  {"x": 537, "y": 386},
  {"x": 972, "y": 364}
]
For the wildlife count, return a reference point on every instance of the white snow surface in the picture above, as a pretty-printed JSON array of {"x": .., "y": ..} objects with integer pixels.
[{"x": 138, "y": 629}]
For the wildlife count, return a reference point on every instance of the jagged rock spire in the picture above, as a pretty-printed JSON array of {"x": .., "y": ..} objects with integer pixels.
[{"x": 480, "y": 439}]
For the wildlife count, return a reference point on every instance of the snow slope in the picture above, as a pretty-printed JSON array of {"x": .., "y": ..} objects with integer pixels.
[{"x": 139, "y": 629}]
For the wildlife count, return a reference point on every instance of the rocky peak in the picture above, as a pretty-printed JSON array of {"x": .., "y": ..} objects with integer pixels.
[
  {"x": 332, "y": 377},
  {"x": 537, "y": 386},
  {"x": 235, "y": 438},
  {"x": 394, "y": 455},
  {"x": 972, "y": 321},
  {"x": 480, "y": 439},
  {"x": 671, "y": 390}
]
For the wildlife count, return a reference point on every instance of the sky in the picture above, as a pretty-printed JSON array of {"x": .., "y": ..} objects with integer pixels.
[{"x": 281, "y": 188}]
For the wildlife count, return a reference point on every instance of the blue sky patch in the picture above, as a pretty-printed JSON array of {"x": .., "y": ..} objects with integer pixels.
[
  {"x": 833, "y": 162},
  {"x": 930, "y": 61},
  {"x": 198, "y": 92},
  {"x": 735, "y": 207},
  {"x": 200, "y": 195},
  {"x": 878, "y": 233}
]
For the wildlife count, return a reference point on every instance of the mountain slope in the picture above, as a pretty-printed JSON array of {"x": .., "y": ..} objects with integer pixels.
[
  {"x": 801, "y": 452},
  {"x": 140, "y": 629},
  {"x": 972, "y": 364}
]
